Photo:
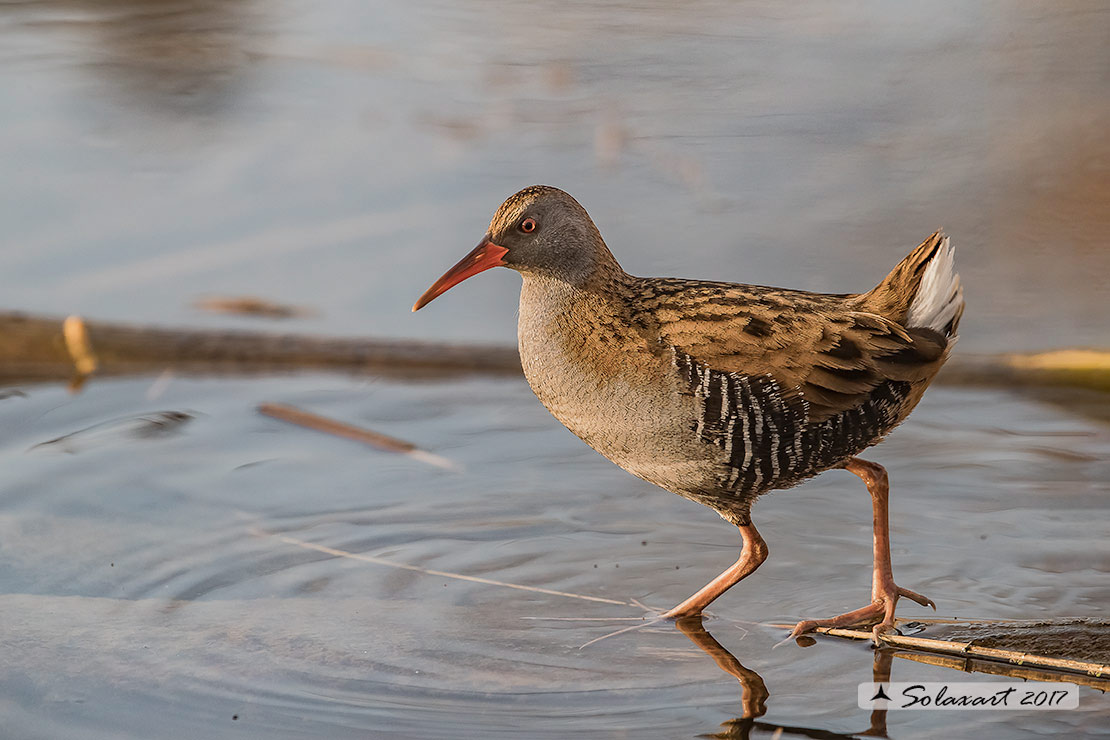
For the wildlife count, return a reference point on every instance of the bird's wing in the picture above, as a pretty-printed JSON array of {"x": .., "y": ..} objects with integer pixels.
[{"x": 824, "y": 355}]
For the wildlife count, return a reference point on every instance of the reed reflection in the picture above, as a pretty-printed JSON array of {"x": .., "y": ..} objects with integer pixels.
[{"x": 753, "y": 692}]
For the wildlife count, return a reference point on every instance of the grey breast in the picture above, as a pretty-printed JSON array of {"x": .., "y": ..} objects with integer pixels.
[{"x": 622, "y": 400}]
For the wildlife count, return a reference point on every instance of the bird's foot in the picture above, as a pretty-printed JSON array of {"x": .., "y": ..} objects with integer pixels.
[{"x": 880, "y": 610}]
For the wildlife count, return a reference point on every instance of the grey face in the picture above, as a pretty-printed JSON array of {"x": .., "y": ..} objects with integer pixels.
[
  {"x": 546, "y": 232},
  {"x": 541, "y": 231}
]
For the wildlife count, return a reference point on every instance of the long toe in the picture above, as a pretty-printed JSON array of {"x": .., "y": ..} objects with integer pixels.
[
  {"x": 880, "y": 610},
  {"x": 869, "y": 613},
  {"x": 914, "y": 596}
]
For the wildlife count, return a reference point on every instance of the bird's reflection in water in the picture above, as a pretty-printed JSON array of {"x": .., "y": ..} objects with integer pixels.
[
  {"x": 754, "y": 693},
  {"x": 880, "y": 673}
]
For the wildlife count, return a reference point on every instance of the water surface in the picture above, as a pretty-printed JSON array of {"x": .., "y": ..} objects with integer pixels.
[{"x": 154, "y": 584}]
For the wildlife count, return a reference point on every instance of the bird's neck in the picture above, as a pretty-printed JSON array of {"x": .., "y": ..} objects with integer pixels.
[
  {"x": 570, "y": 329},
  {"x": 600, "y": 295}
]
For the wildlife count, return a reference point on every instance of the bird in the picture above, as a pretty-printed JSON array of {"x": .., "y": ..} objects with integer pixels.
[{"x": 721, "y": 392}]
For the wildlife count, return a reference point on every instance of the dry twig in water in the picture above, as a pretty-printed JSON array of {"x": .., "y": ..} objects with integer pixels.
[
  {"x": 995, "y": 668},
  {"x": 970, "y": 650},
  {"x": 380, "y": 441}
]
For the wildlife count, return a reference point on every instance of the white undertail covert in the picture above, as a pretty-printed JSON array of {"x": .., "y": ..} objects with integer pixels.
[{"x": 939, "y": 298}]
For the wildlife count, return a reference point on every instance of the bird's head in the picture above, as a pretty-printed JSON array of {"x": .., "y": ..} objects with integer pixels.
[{"x": 539, "y": 230}]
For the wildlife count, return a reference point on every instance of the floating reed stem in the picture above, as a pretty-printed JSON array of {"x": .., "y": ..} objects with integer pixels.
[
  {"x": 309, "y": 420},
  {"x": 35, "y": 348},
  {"x": 970, "y": 650},
  {"x": 996, "y": 668}
]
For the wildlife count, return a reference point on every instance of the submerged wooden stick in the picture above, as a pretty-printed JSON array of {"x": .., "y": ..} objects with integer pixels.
[
  {"x": 995, "y": 668},
  {"x": 1073, "y": 368},
  {"x": 969, "y": 650},
  {"x": 33, "y": 348},
  {"x": 381, "y": 441}
]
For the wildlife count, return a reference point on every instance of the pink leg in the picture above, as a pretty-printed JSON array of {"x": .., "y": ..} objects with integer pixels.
[
  {"x": 752, "y": 555},
  {"x": 884, "y": 591}
]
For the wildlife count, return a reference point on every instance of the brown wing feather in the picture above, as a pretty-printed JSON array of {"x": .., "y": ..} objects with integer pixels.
[{"x": 822, "y": 353}]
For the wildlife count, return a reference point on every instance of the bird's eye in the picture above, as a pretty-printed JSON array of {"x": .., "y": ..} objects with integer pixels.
[{"x": 528, "y": 225}]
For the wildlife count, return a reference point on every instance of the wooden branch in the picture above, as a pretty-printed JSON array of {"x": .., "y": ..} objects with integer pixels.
[
  {"x": 309, "y": 420},
  {"x": 35, "y": 348},
  {"x": 1072, "y": 368},
  {"x": 970, "y": 650},
  {"x": 978, "y": 665}
]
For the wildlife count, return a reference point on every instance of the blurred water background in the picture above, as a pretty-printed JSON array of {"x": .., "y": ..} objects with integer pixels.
[{"x": 339, "y": 156}]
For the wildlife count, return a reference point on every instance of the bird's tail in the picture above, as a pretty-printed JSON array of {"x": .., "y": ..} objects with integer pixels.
[{"x": 923, "y": 291}]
